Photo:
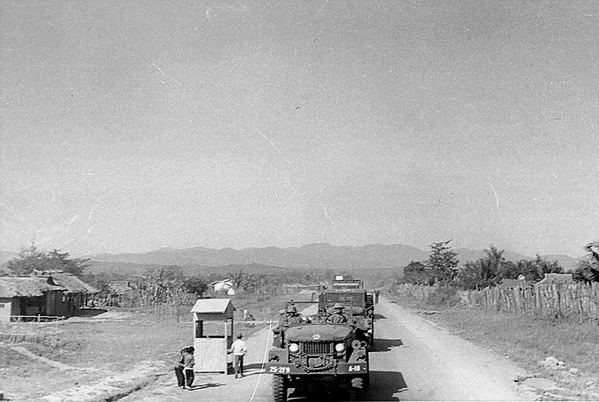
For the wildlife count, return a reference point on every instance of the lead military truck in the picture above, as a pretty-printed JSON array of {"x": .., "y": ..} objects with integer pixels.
[{"x": 318, "y": 351}]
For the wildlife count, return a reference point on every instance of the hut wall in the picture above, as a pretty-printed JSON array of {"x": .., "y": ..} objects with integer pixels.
[
  {"x": 8, "y": 308},
  {"x": 56, "y": 303}
]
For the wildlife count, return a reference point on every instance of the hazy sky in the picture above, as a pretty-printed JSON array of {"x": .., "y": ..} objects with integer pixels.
[{"x": 127, "y": 126}]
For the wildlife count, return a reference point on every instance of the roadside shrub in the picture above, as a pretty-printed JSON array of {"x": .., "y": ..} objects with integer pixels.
[
  {"x": 420, "y": 296},
  {"x": 443, "y": 296}
]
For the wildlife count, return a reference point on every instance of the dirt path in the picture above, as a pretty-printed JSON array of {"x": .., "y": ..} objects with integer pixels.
[
  {"x": 58, "y": 365},
  {"x": 254, "y": 387},
  {"x": 416, "y": 360}
]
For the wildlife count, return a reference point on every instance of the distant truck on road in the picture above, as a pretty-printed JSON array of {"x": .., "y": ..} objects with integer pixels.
[{"x": 347, "y": 282}]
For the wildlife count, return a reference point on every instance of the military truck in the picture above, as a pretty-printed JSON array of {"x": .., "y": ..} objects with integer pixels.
[
  {"x": 361, "y": 304},
  {"x": 347, "y": 282},
  {"x": 318, "y": 352}
]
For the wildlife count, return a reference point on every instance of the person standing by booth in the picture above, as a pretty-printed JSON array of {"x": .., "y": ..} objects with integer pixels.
[
  {"x": 239, "y": 349},
  {"x": 184, "y": 368}
]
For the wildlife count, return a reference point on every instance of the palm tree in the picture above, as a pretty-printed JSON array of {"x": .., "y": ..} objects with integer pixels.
[
  {"x": 593, "y": 268},
  {"x": 478, "y": 274},
  {"x": 495, "y": 258}
]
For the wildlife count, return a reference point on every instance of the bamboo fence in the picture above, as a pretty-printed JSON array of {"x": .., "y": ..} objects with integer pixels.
[{"x": 557, "y": 300}]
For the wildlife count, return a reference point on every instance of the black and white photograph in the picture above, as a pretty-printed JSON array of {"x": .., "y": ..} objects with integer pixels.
[{"x": 299, "y": 200}]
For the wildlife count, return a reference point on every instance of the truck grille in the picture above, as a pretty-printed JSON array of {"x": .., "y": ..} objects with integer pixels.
[{"x": 316, "y": 348}]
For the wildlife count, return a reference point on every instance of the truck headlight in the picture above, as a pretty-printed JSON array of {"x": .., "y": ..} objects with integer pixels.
[
  {"x": 340, "y": 347},
  {"x": 293, "y": 347}
]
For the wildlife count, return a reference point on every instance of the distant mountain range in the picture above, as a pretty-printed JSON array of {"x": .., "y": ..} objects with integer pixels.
[{"x": 312, "y": 256}]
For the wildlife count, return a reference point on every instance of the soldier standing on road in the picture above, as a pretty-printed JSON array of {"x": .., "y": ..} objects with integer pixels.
[{"x": 239, "y": 350}]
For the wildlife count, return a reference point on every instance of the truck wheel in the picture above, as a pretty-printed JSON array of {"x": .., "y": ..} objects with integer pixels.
[
  {"x": 355, "y": 394},
  {"x": 279, "y": 388}
]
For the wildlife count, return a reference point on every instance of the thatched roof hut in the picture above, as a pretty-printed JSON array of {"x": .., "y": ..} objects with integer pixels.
[
  {"x": 54, "y": 294},
  {"x": 41, "y": 282},
  {"x": 68, "y": 282},
  {"x": 12, "y": 286}
]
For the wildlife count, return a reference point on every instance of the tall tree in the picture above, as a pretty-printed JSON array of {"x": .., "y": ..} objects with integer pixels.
[
  {"x": 29, "y": 259},
  {"x": 63, "y": 261},
  {"x": 588, "y": 271},
  {"x": 416, "y": 273},
  {"x": 535, "y": 270},
  {"x": 495, "y": 258},
  {"x": 238, "y": 277},
  {"x": 509, "y": 270},
  {"x": 442, "y": 262},
  {"x": 196, "y": 285},
  {"x": 478, "y": 274},
  {"x": 542, "y": 267},
  {"x": 32, "y": 259}
]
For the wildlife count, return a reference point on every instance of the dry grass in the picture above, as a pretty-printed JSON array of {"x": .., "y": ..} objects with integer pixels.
[
  {"x": 116, "y": 344},
  {"x": 530, "y": 339}
]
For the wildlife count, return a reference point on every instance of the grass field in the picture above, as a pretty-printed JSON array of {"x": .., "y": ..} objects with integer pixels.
[{"x": 111, "y": 343}]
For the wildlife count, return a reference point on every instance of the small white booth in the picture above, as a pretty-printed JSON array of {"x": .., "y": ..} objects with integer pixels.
[{"x": 212, "y": 334}]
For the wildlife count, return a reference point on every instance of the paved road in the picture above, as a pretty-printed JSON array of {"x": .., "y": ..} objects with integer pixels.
[{"x": 413, "y": 360}]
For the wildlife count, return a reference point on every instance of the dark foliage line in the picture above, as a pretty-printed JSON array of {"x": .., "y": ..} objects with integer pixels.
[{"x": 442, "y": 268}]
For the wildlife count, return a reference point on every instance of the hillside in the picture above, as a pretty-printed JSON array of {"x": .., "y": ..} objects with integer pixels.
[
  {"x": 312, "y": 256},
  {"x": 322, "y": 256}
]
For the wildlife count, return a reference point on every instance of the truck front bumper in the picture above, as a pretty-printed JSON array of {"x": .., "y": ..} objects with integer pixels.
[{"x": 341, "y": 368}]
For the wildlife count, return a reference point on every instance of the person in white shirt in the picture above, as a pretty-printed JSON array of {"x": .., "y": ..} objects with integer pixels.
[{"x": 239, "y": 350}]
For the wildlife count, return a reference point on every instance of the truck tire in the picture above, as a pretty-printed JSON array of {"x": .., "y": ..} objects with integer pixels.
[
  {"x": 279, "y": 388},
  {"x": 355, "y": 394}
]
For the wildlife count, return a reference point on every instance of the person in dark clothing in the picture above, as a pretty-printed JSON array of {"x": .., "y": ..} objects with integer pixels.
[
  {"x": 293, "y": 317},
  {"x": 184, "y": 368},
  {"x": 338, "y": 316},
  {"x": 179, "y": 371}
]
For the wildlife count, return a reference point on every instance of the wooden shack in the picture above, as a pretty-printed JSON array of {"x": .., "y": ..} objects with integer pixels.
[
  {"x": 43, "y": 294},
  {"x": 213, "y": 334},
  {"x": 22, "y": 297}
]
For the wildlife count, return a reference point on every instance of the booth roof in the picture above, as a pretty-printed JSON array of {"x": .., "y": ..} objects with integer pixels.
[{"x": 211, "y": 306}]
